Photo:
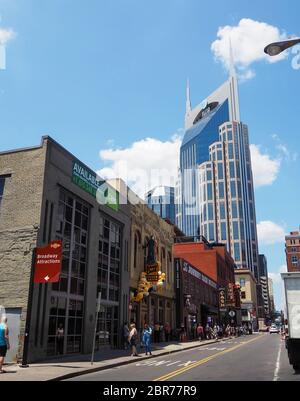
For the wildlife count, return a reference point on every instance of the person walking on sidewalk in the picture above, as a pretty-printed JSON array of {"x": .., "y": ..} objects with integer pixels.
[
  {"x": 60, "y": 335},
  {"x": 147, "y": 339},
  {"x": 167, "y": 330},
  {"x": 200, "y": 332},
  {"x": 157, "y": 332},
  {"x": 4, "y": 342},
  {"x": 126, "y": 333},
  {"x": 133, "y": 339}
]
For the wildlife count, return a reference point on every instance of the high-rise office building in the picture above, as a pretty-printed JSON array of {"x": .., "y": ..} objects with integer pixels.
[
  {"x": 271, "y": 293},
  {"x": 264, "y": 285},
  {"x": 161, "y": 200},
  {"x": 216, "y": 182}
]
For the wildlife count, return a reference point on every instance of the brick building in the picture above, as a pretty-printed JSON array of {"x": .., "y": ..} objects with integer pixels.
[
  {"x": 292, "y": 250},
  {"x": 214, "y": 269},
  {"x": 46, "y": 194}
]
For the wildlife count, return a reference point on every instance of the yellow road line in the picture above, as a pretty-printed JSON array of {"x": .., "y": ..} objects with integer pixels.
[{"x": 203, "y": 361}]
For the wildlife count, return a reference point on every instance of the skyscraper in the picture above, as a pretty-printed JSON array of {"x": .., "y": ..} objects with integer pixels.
[
  {"x": 161, "y": 200},
  {"x": 216, "y": 183},
  {"x": 263, "y": 275}
]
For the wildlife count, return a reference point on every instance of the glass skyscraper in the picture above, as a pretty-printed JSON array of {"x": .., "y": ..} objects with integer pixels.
[
  {"x": 215, "y": 194},
  {"x": 162, "y": 201}
]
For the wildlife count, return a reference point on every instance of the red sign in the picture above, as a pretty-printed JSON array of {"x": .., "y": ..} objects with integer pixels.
[{"x": 48, "y": 263}]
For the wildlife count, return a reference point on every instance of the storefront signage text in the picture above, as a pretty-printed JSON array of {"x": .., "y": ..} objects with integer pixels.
[
  {"x": 99, "y": 189},
  {"x": 193, "y": 272}
]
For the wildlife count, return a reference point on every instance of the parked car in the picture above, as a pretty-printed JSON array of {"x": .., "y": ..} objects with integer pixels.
[{"x": 274, "y": 329}]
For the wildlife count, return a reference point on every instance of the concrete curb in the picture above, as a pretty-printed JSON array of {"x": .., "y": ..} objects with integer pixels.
[{"x": 130, "y": 361}]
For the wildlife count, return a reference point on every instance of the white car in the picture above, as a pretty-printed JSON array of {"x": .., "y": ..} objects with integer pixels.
[{"x": 274, "y": 329}]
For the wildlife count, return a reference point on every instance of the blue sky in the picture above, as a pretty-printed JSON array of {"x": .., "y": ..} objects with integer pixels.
[{"x": 100, "y": 75}]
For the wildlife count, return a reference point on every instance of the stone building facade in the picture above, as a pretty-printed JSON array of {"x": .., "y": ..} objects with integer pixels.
[
  {"x": 159, "y": 307},
  {"x": 48, "y": 194},
  {"x": 22, "y": 175}
]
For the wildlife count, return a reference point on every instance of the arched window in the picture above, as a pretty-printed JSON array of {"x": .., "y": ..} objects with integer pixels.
[
  {"x": 137, "y": 242},
  {"x": 169, "y": 267},
  {"x": 163, "y": 255}
]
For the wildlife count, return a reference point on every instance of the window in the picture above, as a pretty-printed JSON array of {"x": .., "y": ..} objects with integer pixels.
[
  {"x": 230, "y": 151},
  {"x": 221, "y": 190},
  {"x": 208, "y": 175},
  {"x": 209, "y": 192},
  {"x": 242, "y": 282},
  {"x": 210, "y": 211},
  {"x": 234, "y": 209},
  {"x": 243, "y": 295},
  {"x": 211, "y": 232},
  {"x": 220, "y": 155},
  {"x": 233, "y": 189},
  {"x": 231, "y": 169},
  {"x": 220, "y": 171},
  {"x": 229, "y": 135},
  {"x": 2, "y": 183},
  {"x": 235, "y": 230},
  {"x": 294, "y": 260},
  {"x": 67, "y": 298},
  {"x": 222, "y": 211},
  {"x": 223, "y": 232},
  {"x": 237, "y": 252},
  {"x": 137, "y": 242}
]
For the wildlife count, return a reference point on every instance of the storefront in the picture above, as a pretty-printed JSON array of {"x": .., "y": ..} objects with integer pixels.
[{"x": 197, "y": 298}]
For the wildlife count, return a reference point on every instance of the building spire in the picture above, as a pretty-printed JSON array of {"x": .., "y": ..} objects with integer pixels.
[
  {"x": 233, "y": 80},
  {"x": 188, "y": 99},
  {"x": 231, "y": 61}
]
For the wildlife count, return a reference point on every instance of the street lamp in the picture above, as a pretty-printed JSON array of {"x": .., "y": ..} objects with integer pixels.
[{"x": 276, "y": 48}]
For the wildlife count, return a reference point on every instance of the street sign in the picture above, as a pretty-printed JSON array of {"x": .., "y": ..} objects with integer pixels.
[{"x": 47, "y": 266}]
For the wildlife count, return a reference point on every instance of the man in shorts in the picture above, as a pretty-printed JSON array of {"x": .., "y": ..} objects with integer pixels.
[{"x": 4, "y": 342}]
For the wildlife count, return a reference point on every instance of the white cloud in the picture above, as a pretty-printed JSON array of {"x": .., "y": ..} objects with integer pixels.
[
  {"x": 270, "y": 233},
  {"x": 145, "y": 164},
  {"x": 248, "y": 38},
  {"x": 151, "y": 162},
  {"x": 276, "y": 277},
  {"x": 265, "y": 170},
  {"x": 6, "y": 35}
]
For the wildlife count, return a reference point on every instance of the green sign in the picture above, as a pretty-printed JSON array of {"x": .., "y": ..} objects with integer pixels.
[{"x": 87, "y": 180}]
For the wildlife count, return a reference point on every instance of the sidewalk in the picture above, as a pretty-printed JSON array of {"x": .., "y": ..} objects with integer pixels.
[{"x": 77, "y": 365}]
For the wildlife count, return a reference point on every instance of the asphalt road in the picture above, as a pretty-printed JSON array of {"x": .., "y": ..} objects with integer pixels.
[{"x": 250, "y": 358}]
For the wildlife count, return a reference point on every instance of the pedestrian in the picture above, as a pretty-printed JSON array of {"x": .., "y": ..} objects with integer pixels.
[
  {"x": 200, "y": 332},
  {"x": 147, "y": 339},
  {"x": 126, "y": 333},
  {"x": 60, "y": 335},
  {"x": 4, "y": 342},
  {"x": 157, "y": 332},
  {"x": 182, "y": 333},
  {"x": 133, "y": 339},
  {"x": 207, "y": 331},
  {"x": 167, "y": 329}
]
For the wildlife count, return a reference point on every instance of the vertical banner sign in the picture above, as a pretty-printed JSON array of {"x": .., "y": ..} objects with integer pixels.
[
  {"x": 48, "y": 261},
  {"x": 230, "y": 295},
  {"x": 222, "y": 299}
]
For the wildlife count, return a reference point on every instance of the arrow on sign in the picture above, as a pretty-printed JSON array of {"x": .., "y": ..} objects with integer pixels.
[{"x": 47, "y": 278}]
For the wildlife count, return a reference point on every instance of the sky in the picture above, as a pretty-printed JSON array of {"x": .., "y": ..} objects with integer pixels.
[{"x": 107, "y": 79}]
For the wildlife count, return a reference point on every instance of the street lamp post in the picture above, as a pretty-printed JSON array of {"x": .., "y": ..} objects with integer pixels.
[{"x": 276, "y": 48}]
